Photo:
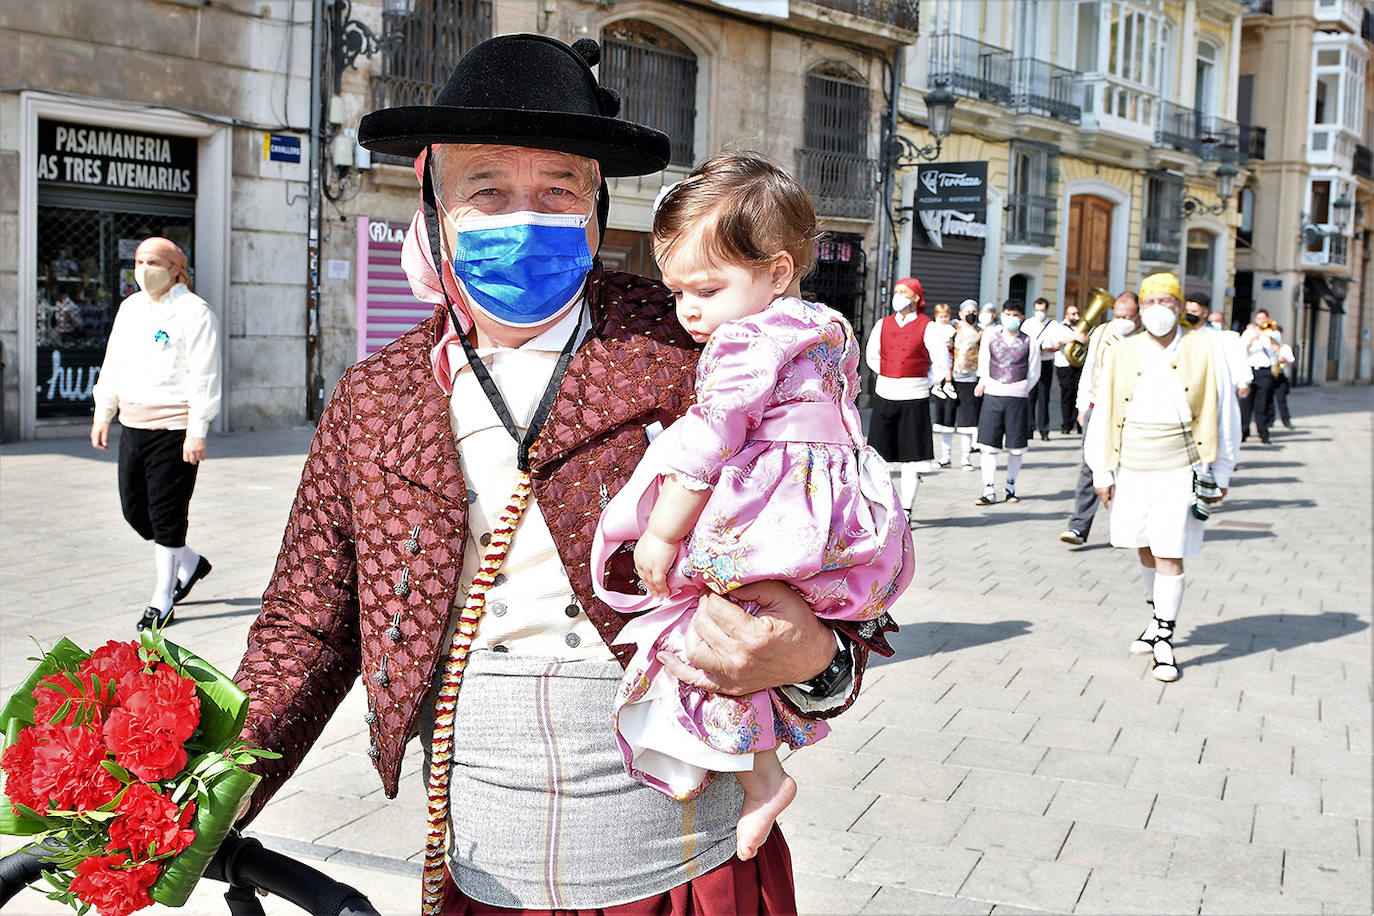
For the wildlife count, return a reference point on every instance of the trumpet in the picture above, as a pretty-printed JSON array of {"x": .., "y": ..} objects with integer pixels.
[
  {"x": 1099, "y": 308},
  {"x": 1270, "y": 325}
]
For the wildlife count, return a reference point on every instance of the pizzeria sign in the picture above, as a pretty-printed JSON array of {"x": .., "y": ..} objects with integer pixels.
[{"x": 115, "y": 159}]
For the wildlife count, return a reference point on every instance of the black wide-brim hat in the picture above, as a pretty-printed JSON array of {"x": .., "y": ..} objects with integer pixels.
[{"x": 524, "y": 90}]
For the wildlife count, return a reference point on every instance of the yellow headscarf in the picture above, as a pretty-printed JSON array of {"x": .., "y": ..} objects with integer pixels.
[{"x": 1161, "y": 284}]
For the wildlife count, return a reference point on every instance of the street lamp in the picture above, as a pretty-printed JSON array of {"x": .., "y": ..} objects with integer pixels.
[
  {"x": 902, "y": 153},
  {"x": 1226, "y": 181},
  {"x": 352, "y": 38},
  {"x": 1340, "y": 212}
]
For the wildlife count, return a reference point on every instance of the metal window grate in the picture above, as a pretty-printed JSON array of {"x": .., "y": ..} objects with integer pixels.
[
  {"x": 1034, "y": 210},
  {"x": 436, "y": 33},
  {"x": 837, "y": 114},
  {"x": 1162, "y": 230},
  {"x": 656, "y": 76},
  {"x": 839, "y": 275}
]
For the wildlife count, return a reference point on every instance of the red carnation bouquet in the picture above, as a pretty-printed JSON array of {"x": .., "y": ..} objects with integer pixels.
[{"x": 125, "y": 766}]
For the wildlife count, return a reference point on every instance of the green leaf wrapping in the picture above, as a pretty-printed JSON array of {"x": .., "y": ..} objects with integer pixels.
[
  {"x": 223, "y": 706},
  {"x": 211, "y": 824},
  {"x": 17, "y": 715}
]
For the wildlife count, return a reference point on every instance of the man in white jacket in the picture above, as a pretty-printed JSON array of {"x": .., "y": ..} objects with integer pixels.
[
  {"x": 1162, "y": 442},
  {"x": 161, "y": 375}
]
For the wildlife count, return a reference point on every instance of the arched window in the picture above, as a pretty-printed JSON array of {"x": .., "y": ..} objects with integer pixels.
[
  {"x": 434, "y": 35},
  {"x": 1018, "y": 288},
  {"x": 656, "y": 76},
  {"x": 833, "y": 162}
]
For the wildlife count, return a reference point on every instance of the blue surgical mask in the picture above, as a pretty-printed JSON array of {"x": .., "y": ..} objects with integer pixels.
[
  {"x": 1011, "y": 322},
  {"x": 522, "y": 269}
]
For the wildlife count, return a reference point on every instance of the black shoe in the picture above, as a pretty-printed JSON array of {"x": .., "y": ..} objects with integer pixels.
[
  {"x": 1287, "y": 425},
  {"x": 1045, "y": 435},
  {"x": 202, "y": 570},
  {"x": 1264, "y": 439},
  {"x": 153, "y": 617},
  {"x": 1010, "y": 496},
  {"x": 988, "y": 498},
  {"x": 943, "y": 464}
]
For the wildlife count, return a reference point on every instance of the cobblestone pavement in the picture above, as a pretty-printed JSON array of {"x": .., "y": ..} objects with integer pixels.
[{"x": 1012, "y": 757}]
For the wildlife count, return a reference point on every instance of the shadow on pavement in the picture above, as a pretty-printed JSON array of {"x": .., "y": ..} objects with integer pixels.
[
  {"x": 1232, "y": 534},
  {"x": 993, "y": 515},
  {"x": 1262, "y": 632},
  {"x": 1239, "y": 504},
  {"x": 245, "y": 612},
  {"x": 931, "y": 637}
]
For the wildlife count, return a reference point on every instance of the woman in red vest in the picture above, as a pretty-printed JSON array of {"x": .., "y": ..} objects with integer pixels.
[{"x": 898, "y": 352}]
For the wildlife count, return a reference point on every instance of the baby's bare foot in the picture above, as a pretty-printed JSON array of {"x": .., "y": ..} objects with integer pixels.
[{"x": 758, "y": 814}]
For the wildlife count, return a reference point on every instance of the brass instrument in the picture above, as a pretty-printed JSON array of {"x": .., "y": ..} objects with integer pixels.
[
  {"x": 1270, "y": 325},
  {"x": 1099, "y": 310}
]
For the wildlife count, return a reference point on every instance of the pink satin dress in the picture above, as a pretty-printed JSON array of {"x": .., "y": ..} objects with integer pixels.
[{"x": 796, "y": 495}]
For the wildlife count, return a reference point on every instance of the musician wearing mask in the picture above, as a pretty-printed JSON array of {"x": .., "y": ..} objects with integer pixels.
[
  {"x": 161, "y": 375},
  {"x": 1261, "y": 342},
  {"x": 899, "y": 353},
  {"x": 967, "y": 336},
  {"x": 1067, "y": 374},
  {"x": 1162, "y": 442},
  {"x": 1283, "y": 381},
  {"x": 1008, "y": 368},
  {"x": 1125, "y": 322},
  {"x": 1047, "y": 335}
]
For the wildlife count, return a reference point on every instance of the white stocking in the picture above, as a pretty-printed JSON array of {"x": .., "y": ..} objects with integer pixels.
[
  {"x": 187, "y": 561},
  {"x": 911, "y": 482},
  {"x": 1147, "y": 577},
  {"x": 1014, "y": 458},
  {"x": 946, "y": 447},
  {"x": 165, "y": 559},
  {"x": 989, "y": 467},
  {"x": 1168, "y": 596},
  {"x": 966, "y": 441}
]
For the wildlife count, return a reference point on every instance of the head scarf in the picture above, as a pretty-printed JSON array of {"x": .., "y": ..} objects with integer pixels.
[
  {"x": 170, "y": 252},
  {"x": 1161, "y": 284}
]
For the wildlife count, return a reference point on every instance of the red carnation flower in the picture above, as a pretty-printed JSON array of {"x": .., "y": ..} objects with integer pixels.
[
  {"x": 155, "y": 714},
  {"x": 87, "y": 702},
  {"x": 149, "y": 818},
  {"x": 113, "y": 660},
  {"x": 114, "y": 890},
  {"x": 18, "y": 766},
  {"x": 67, "y": 770}
]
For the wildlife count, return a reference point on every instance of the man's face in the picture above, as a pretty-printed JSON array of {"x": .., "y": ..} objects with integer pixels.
[
  {"x": 1126, "y": 307},
  {"x": 1216, "y": 318},
  {"x": 1041, "y": 308},
  {"x": 1195, "y": 311},
  {"x": 1261, "y": 316},
  {"x": 1071, "y": 314},
  {"x": 478, "y": 179}
]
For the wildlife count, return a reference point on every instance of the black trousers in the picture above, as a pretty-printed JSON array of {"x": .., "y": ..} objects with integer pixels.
[
  {"x": 1068, "y": 396},
  {"x": 1039, "y": 413},
  {"x": 1258, "y": 405},
  {"x": 1279, "y": 402},
  {"x": 155, "y": 485}
]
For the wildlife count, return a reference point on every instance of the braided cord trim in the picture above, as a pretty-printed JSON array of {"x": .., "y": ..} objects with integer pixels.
[{"x": 445, "y": 707}]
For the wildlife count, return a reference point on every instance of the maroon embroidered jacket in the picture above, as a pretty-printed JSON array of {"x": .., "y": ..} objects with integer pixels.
[{"x": 368, "y": 567}]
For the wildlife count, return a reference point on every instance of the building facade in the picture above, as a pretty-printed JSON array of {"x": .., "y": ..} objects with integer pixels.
[
  {"x": 1098, "y": 128},
  {"x": 1303, "y": 251}
]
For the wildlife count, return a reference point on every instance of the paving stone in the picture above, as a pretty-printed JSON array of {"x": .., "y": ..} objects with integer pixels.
[
  {"x": 991, "y": 723},
  {"x": 895, "y": 741},
  {"x": 913, "y": 821},
  {"x": 893, "y": 861},
  {"x": 1256, "y": 788},
  {"x": 1326, "y": 763},
  {"x": 1235, "y": 753},
  {"x": 821, "y": 851},
  {"x": 1276, "y": 704},
  {"x": 1178, "y": 776},
  {"x": 1313, "y": 833},
  {"x": 1111, "y": 890},
  {"x": 990, "y": 754},
  {"x": 1140, "y": 741},
  {"x": 826, "y": 806},
  {"x": 901, "y": 715},
  {"x": 1195, "y": 816},
  {"x": 1285, "y": 730},
  {"x": 1341, "y": 881},
  {"x": 1026, "y": 882},
  {"x": 1083, "y": 766},
  {"x": 1096, "y": 737},
  {"x": 1006, "y": 791},
  {"x": 1217, "y": 723},
  {"x": 1022, "y": 835},
  {"x": 1095, "y": 803},
  {"x": 818, "y": 895},
  {"x": 1139, "y": 711},
  {"x": 1120, "y": 848},
  {"x": 914, "y": 778},
  {"x": 1230, "y": 862},
  {"x": 1060, "y": 706},
  {"x": 973, "y": 696},
  {"x": 897, "y": 901},
  {"x": 309, "y": 813},
  {"x": 1218, "y": 900},
  {"x": 825, "y": 766}
]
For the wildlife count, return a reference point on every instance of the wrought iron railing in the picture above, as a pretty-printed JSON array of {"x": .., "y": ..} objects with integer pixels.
[
  {"x": 1031, "y": 220},
  {"x": 904, "y": 14},
  {"x": 971, "y": 68},
  {"x": 1363, "y": 163},
  {"x": 435, "y": 35},
  {"x": 841, "y": 184},
  {"x": 1207, "y": 136},
  {"x": 1252, "y": 140},
  {"x": 1257, "y": 7},
  {"x": 1040, "y": 87},
  {"x": 1160, "y": 237},
  {"x": 658, "y": 87}
]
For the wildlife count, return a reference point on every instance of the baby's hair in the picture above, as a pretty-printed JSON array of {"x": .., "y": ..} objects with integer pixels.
[
  {"x": 942, "y": 308},
  {"x": 747, "y": 208}
]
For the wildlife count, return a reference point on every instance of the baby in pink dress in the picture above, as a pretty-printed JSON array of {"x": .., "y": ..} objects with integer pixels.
[{"x": 766, "y": 477}]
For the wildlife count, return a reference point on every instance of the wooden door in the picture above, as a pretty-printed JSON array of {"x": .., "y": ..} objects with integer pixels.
[{"x": 1090, "y": 249}]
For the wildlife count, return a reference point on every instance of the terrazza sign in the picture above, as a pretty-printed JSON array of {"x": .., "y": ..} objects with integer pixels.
[{"x": 78, "y": 154}]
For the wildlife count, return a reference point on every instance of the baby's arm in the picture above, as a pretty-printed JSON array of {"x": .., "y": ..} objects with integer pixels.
[{"x": 674, "y": 514}]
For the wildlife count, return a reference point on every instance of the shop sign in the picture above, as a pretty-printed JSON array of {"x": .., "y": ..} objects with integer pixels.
[
  {"x": 386, "y": 306},
  {"x": 951, "y": 200},
  {"x": 66, "y": 377},
  {"x": 115, "y": 159}
]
